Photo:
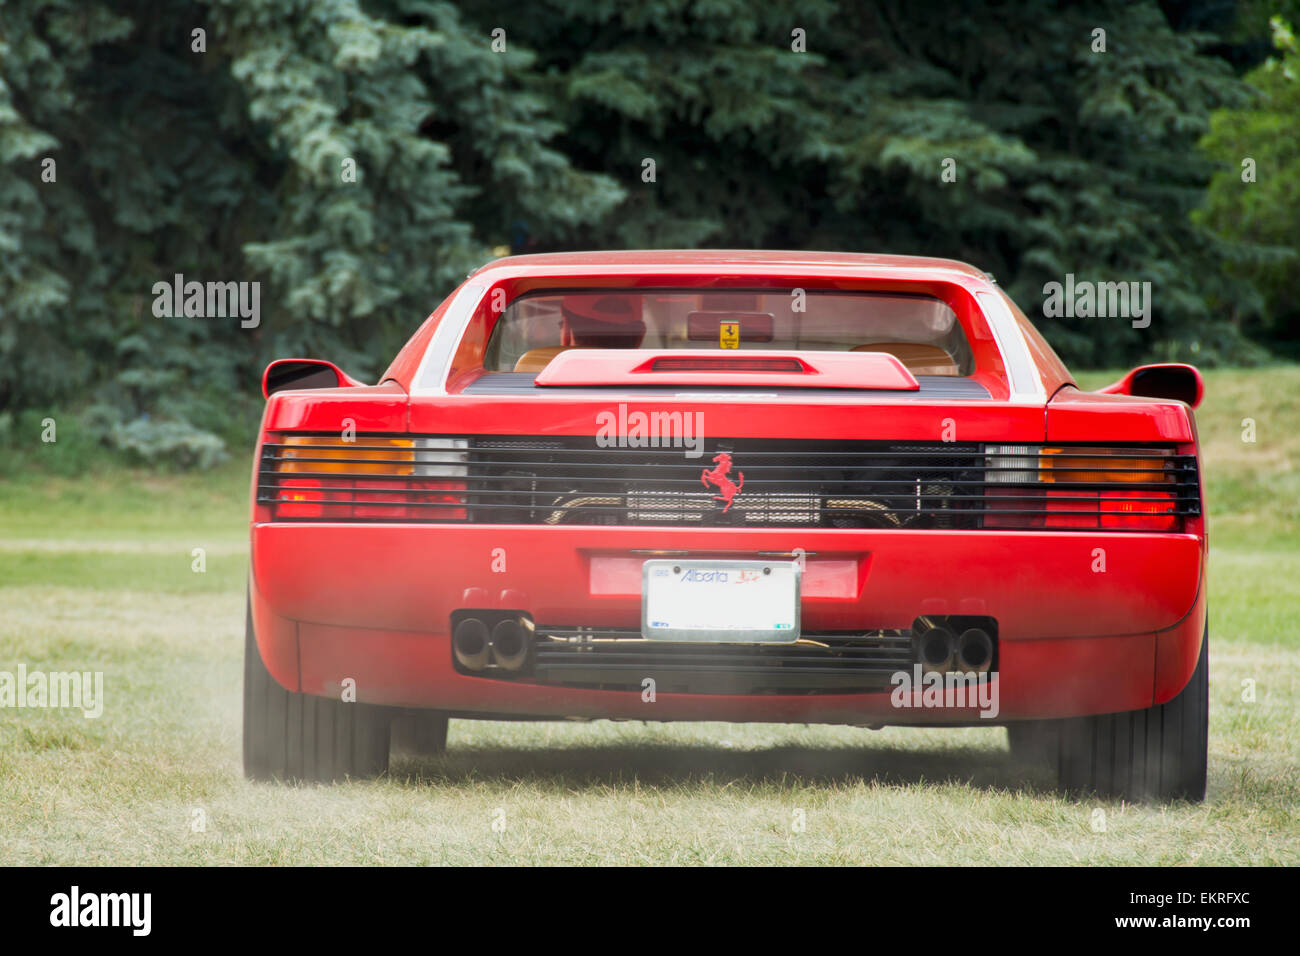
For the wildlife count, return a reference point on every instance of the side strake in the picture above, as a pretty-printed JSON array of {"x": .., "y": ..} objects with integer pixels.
[
  {"x": 760, "y": 483},
  {"x": 659, "y": 460}
]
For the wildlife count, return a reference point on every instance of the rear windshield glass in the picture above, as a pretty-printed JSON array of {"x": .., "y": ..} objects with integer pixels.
[{"x": 923, "y": 332}]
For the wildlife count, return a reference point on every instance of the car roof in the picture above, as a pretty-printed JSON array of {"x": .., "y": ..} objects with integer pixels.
[{"x": 722, "y": 258}]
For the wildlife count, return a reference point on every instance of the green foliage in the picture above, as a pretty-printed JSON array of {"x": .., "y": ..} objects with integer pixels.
[
  {"x": 1253, "y": 202},
  {"x": 355, "y": 160},
  {"x": 75, "y": 451},
  {"x": 166, "y": 442},
  {"x": 357, "y": 157},
  {"x": 1067, "y": 160}
]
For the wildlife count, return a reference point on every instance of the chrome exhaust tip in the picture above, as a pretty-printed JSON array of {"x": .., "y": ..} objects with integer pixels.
[
  {"x": 510, "y": 640},
  {"x": 975, "y": 651},
  {"x": 471, "y": 644},
  {"x": 936, "y": 649}
]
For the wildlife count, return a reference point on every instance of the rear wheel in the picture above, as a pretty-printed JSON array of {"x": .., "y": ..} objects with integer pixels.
[
  {"x": 420, "y": 733},
  {"x": 1034, "y": 741},
  {"x": 289, "y": 736},
  {"x": 1153, "y": 754}
]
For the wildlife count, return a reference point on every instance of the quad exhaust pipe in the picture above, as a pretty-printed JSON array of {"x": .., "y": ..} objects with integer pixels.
[
  {"x": 472, "y": 644},
  {"x": 506, "y": 643},
  {"x": 510, "y": 640},
  {"x": 939, "y": 649},
  {"x": 974, "y": 651}
]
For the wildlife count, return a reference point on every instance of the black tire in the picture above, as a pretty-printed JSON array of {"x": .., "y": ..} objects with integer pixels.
[
  {"x": 419, "y": 733},
  {"x": 1155, "y": 754},
  {"x": 1034, "y": 741},
  {"x": 297, "y": 737}
]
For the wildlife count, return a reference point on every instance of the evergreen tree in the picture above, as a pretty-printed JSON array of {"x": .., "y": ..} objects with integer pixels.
[
  {"x": 1072, "y": 152},
  {"x": 354, "y": 160},
  {"x": 357, "y": 157},
  {"x": 1253, "y": 201}
]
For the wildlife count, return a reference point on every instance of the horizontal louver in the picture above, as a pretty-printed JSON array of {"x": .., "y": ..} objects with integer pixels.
[{"x": 617, "y": 659}]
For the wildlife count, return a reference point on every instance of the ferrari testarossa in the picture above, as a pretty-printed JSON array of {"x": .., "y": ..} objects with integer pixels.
[{"x": 731, "y": 486}]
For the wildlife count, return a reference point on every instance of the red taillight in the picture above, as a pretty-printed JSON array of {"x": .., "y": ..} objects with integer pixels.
[
  {"x": 1121, "y": 509},
  {"x": 380, "y": 499},
  {"x": 446, "y": 498},
  {"x": 1071, "y": 509},
  {"x": 1147, "y": 510},
  {"x": 1013, "y": 508},
  {"x": 342, "y": 498},
  {"x": 304, "y": 498},
  {"x": 1107, "y": 510}
]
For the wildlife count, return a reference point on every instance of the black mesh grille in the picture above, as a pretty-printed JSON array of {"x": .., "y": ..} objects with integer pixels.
[{"x": 781, "y": 484}]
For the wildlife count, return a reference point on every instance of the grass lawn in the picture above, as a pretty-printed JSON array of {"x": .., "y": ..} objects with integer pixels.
[{"x": 96, "y": 574}]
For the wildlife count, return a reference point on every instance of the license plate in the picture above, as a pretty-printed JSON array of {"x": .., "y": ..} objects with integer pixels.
[{"x": 720, "y": 602}]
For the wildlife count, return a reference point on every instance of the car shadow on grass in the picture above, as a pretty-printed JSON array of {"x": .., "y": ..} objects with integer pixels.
[{"x": 675, "y": 766}]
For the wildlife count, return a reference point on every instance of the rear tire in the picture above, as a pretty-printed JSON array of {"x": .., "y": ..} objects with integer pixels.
[
  {"x": 1034, "y": 741},
  {"x": 298, "y": 737},
  {"x": 1155, "y": 754},
  {"x": 420, "y": 733}
]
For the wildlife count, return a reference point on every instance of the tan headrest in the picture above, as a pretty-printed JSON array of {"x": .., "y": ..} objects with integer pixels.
[{"x": 534, "y": 360}]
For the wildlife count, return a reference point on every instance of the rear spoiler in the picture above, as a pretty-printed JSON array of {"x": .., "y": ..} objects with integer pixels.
[{"x": 632, "y": 367}]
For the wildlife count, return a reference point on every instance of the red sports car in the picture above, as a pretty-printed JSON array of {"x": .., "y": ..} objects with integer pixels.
[{"x": 737, "y": 486}]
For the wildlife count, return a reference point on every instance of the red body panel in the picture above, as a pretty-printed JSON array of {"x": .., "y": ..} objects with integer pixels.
[
  {"x": 1073, "y": 417},
  {"x": 373, "y": 601},
  {"x": 277, "y": 640},
  {"x": 1039, "y": 585},
  {"x": 384, "y": 408},
  {"x": 1073, "y": 640},
  {"x": 786, "y": 416}
]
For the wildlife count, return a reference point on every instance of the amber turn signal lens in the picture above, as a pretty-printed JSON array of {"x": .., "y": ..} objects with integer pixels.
[
  {"x": 1085, "y": 464},
  {"x": 375, "y": 456}
]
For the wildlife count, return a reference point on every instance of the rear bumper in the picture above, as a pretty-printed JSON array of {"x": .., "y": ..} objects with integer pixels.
[{"x": 1087, "y": 623}]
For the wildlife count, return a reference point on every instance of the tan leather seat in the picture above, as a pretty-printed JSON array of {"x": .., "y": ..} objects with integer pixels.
[
  {"x": 918, "y": 358},
  {"x": 534, "y": 360}
]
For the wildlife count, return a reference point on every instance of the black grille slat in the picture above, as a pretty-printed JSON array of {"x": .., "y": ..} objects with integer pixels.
[
  {"x": 932, "y": 388},
  {"x": 617, "y": 659}
]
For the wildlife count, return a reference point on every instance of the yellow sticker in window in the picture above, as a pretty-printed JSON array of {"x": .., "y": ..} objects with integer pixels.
[{"x": 729, "y": 335}]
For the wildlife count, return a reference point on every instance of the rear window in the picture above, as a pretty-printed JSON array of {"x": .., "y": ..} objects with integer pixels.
[{"x": 922, "y": 331}]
